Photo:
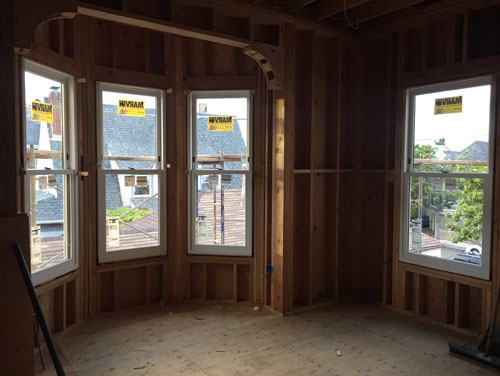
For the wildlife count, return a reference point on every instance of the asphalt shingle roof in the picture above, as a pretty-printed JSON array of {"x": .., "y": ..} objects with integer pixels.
[
  {"x": 129, "y": 136},
  {"x": 477, "y": 151},
  {"x": 133, "y": 136}
]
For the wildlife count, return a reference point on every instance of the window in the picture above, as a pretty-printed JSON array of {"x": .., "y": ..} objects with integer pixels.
[
  {"x": 131, "y": 173},
  {"x": 50, "y": 194},
  {"x": 220, "y": 173},
  {"x": 447, "y": 177}
]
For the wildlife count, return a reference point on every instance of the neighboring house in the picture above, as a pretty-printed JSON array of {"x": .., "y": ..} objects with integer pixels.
[
  {"x": 477, "y": 151},
  {"x": 128, "y": 136},
  {"x": 49, "y": 202},
  {"x": 134, "y": 136},
  {"x": 211, "y": 143}
]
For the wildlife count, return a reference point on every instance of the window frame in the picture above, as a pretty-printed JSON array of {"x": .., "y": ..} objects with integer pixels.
[
  {"x": 193, "y": 171},
  {"x": 69, "y": 164},
  {"x": 141, "y": 252},
  {"x": 482, "y": 271}
]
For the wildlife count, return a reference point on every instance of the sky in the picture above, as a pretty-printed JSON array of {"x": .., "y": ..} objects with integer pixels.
[
  {"x": 37, "y": 87},
  {"x": 109, "y": 97},
  {"x": 459, "y": 129},
  {"x": 236, "y": 107}
]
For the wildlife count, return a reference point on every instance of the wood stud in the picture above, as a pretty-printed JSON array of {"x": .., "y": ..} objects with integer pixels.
[{"x": 322, "y": 174}]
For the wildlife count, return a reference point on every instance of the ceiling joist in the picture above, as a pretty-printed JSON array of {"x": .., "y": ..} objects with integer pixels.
[
  {"x": 327, "y": 8},
  {"x": 375, "y": 9}
]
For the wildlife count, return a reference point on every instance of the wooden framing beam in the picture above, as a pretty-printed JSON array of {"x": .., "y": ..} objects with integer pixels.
[
  {"x": 262, "y": 12},
  {"x": 327, "y": 8},
  {"x": 162, "y": 26},
  {"x": 377, "y": 9},
  {"x": 270, "y": 59}
]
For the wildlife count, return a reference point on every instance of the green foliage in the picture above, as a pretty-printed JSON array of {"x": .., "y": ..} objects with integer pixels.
[
  {"x": 424, "y": 152},
  {"x": 133, "y": 216},
  {"x": 467, "y": 221},
  {"x": 421, "y": 152},
  {"x": 441, "y": 141}
]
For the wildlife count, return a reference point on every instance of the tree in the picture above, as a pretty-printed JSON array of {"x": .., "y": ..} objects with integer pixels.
[
  {"x": 424, "y": 152},
  {"x": 467, "y": 221},
  {"x": 429, "y": 197},
  {"x": 418, "y": 190},
  {"x": 441, "y": 141}
]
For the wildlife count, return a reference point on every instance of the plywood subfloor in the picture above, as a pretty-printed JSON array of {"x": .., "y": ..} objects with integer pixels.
[{"x": 236, "y": 340}]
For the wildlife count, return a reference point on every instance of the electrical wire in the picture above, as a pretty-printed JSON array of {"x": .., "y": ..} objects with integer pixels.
[{"x": 349, "y": 23}]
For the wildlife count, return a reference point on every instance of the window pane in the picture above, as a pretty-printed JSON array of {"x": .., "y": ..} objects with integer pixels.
[
  {"x": 452, "y": 130},
  {"x": 131, "y": 211},
  {"x": 221, "y": 133},
  {"x": 50, "y": 222},
  {"x": 129, "y": 131},
  {"x": 220, "y": 209},
  {"x": 44, "y": 122},
  {"x": 446, "y": 218}
]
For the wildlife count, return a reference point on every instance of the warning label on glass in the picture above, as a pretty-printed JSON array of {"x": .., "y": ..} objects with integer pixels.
[
  {"x": 449, "y": 105},
  {"x": 220, "y": 123},
  {"x": 113, "y": 232},
  {"x": 131, "y": 108},
  {"x": 42, "y": 112}
]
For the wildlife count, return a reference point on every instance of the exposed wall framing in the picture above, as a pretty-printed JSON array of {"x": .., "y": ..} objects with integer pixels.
[
  {"x": 96, "y": 50},
  {"x": 327, "y": 157},
  {"x": 356, "y": 174}
]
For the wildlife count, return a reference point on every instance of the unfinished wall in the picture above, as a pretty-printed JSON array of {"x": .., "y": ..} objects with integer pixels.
[
  {"x": 94, "y": 50},
  {"x": 307, "y": 172},
  {"x": 367, "y": 156},
  {"x": 439, "y": 47}
]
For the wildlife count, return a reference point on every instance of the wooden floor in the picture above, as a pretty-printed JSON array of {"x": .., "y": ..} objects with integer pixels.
[{"x": 335, "y": 339}]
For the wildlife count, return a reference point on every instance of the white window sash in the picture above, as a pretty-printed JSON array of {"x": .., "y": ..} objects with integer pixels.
[
  {"x": 68, "y": 158},
  {"x": 194, "y": 171},
  {"x": 482, "y": 271},
  {"x": 159, "y": 170}
]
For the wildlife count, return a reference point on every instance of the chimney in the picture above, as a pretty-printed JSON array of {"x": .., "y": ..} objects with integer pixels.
[{"x": 55, "y": 99}]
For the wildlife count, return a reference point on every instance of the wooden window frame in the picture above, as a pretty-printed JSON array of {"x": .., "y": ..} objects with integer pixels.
[
  {"x": 68, "y": 171},
  {"x": 482, "y": 271},
  {"x": 141, "y": 252},
  {"x": 193, "y": 171}
]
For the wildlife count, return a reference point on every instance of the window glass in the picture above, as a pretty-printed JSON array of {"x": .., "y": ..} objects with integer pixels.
[
  {"x": 220, "y": 209},
  {"x": 452, "y": 130},
  {"x": 49, "y": 159},
  {"x": 44, "y": 122},
  {"x": 49, "y": 216},
  {"x": 129, "y": 131},
  {"x": 221, "y": 133},
  {"x": 220, "y": 173},
  {"x": 447, "y": 178},
  {"x": 131, "y": 173},
  {"x": 131, "y": 218},
  {"x": 446, "y": 218}
]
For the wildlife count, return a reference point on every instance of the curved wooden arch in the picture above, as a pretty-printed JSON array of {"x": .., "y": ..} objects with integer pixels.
[
  {"x": 30, "y": 15},
  {"x": 269, "y": 58}
]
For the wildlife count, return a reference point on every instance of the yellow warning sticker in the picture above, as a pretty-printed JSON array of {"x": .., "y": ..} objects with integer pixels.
[
  {"x": 113, "y": 232},
  {"x": 42, "y": 112},
  {"x": 451, "y": 105},
  {"x": 131, "y": 108},
  {"x": 220, "y": 123},
  {"x": 36, "y": 245}
]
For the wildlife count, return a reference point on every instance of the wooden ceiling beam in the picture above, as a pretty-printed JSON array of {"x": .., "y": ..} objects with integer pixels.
[
  {"x": 299, "y": 3},
  {"x": 327, "y": 8},
  {"x": 375, "y": 9}
]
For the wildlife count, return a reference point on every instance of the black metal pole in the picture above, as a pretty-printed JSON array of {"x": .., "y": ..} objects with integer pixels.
[{"x": 21, "y": 262}]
